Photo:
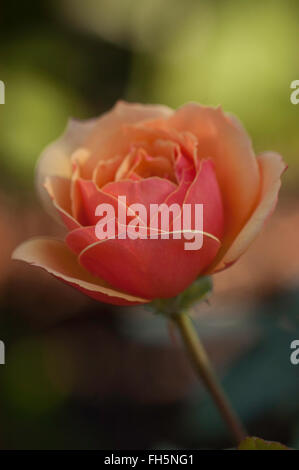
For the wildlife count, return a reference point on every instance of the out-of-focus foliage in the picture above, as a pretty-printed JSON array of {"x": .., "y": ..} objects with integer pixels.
[
  {"x": 37, "y": 389},
  {"x": 51, "y": 73},
  {"x": 256, "y": 443},
  {"x": 240, "y": 55},
  {"x": 138, "y": 25},
  {"x": 36, "y": 113}
]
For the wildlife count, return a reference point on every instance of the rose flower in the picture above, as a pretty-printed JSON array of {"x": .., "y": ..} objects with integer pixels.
[{"x": 151, "y": 155}]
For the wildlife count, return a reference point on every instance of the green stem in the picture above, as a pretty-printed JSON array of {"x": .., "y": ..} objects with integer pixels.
[{"x": 204, "y": 369}]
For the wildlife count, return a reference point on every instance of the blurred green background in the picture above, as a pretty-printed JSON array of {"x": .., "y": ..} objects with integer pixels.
[{"x": 84, "y": 375}]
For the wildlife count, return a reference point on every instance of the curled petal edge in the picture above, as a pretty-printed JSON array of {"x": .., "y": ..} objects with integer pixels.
[{"x": 56, "y": 258}]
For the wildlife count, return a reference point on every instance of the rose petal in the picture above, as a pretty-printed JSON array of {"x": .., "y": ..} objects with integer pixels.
[
  {"x": 108, "y": 138},
  {"x": 89, "y": 197},
  {"x": 186, "y": 174},
  {"x": 55, "y": 160},
  {"x": 57, "y": 259},
  {"x": 147, "y": 268},
  {"x": 59, "y": 189},
  {"x": 178, "y": 196},
  {"x": 125, "y": 165},
  {"x": 147, "y": 166},
  {"x": 105, "y": 171},
  {"x": 182, "y": 165},
  {"x": 149, "y": 134},
  {"x": 78, "y": 160},
  {"x": 156, "y": 268},
  {"x": 271, "y": 167},
  {"x": 229, "y": 146},
  {"x": 81, "y": 238},
  {"x": 148, "y": 191},
  {"x": 205, "y": 190}
]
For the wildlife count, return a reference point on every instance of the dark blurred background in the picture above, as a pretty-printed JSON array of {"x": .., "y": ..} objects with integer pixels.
[{"x": 84, "y": 375}]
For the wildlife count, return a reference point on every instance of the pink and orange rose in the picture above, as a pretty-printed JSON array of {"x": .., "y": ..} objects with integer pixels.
[{"x": 151, "y": 154}]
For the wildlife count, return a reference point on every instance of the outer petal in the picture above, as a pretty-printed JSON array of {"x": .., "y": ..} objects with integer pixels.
[
  {"x": 55, "y": 257},
  {"x": 80, "y": 238},
  {"x": 147, "y": 268},
  {"x": 59, "y": 190},
  {"x": 55, "y": 160},
  {"x": 228, "y": 145},
  {"x": 271, "y": 167}
]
